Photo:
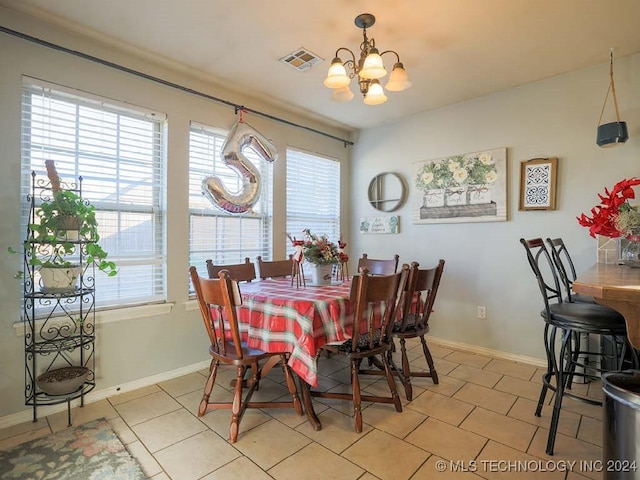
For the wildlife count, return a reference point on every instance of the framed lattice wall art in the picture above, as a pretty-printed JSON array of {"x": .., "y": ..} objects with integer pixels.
[{"x": 538, "y": 184}]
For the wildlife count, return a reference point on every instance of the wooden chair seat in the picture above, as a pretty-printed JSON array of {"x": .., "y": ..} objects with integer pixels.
[
  {"x": 414, "y": 326},
  {"x": 365, "y": 345},
  {"x": 219, "y": 300}
]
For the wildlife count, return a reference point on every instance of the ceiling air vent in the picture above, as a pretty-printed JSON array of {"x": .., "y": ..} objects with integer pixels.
[{"x": 301, "y": 59}]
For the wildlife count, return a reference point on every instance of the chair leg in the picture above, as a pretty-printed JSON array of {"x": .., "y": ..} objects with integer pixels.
[
  {"x": 213, "y": 370},
  {"x": 392, "y": 384},
  {"x": 406, "y": 371},
  {"x": 237, "y": 407},
  {"x": 561, "y": 382},
  {"x": 256, "y": 375},
  {"x": 427, "y": 355},
  {"x": 357, "y": 401},
  {"x": 546, "y": 377},
  {"x": 291, "y": 384},
  {"x": 573, "y": 356}
]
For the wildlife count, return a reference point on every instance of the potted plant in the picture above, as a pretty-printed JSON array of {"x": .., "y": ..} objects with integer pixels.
[{"x": 60, "y": 227}]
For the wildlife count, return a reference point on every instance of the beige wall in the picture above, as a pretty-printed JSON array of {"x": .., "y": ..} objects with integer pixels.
[
  {"x": 486, "y": 264},
  {"x": 137, "y": 348}
]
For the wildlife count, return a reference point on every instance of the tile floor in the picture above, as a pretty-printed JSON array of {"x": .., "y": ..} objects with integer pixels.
[{"x": 477, "y": 423}]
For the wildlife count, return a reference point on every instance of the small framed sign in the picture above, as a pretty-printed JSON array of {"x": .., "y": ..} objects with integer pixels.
[
  {"x": 380, "y": 224},
  {"x": 538, "y": 184}
]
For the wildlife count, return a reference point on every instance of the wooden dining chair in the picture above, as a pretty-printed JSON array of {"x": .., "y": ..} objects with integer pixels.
[
  {"x": 378, "y": 267},
  {"x": 416, "y": 307},
  {"x": 218, "y": 300},
  {"x": 374, "y": 300},
  {"x": 241, "y": 272},
  {"x": 275, "y": 268}
]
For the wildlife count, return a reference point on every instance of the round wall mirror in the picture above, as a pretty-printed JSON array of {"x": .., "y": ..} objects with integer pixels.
[{"x": 387, "y": 192}]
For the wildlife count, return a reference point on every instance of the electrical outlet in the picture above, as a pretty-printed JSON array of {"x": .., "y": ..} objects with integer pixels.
[{"x": 482, "y": 312}]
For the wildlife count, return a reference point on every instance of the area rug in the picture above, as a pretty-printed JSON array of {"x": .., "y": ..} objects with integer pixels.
[{"x": 86, "y": 452}]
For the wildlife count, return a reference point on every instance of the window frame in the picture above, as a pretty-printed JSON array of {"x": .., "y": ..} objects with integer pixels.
[
  {"x": 41, "y": 140},
  {"x": 319, "y": 223},
  {"x": 202, "y": 208}
]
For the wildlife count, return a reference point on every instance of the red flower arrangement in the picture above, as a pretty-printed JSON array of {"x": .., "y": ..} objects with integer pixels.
[{"x": 614, "y": 216}]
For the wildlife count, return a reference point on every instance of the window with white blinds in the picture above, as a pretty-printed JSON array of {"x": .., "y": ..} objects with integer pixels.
[
  {"x": 119, "y": 153},
  {"x": 215, "y": 234},
  {"x": 313, "y": 195}
]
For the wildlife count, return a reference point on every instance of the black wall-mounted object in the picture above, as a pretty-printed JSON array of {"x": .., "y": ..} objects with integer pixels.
[
  {"x": 612, "y": 134},
  {"x": 615, "y": 133}
]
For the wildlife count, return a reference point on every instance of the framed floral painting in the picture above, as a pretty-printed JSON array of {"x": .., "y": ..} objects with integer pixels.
[{"x": 470, "y": 187}]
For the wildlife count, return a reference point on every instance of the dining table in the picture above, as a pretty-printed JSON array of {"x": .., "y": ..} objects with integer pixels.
[
  {"x": 618, "y": 287},
  {"x": 277, "y": 315}
]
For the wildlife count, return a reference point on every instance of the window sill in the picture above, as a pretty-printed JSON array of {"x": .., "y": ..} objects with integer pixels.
[
  {"x": 191, "y": 304},
  {"x": 111, "y": 316}
]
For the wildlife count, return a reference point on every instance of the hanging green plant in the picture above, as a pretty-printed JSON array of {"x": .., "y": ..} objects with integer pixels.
[{"x": 61, "y": 226}]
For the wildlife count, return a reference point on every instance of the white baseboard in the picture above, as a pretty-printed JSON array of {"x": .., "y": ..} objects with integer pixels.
[
  {"x": 96, "y": 395},
  {"x": 512, "y": 357}
]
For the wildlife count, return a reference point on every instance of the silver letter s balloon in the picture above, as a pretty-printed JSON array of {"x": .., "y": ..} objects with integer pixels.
[{"x": 241, "y": 136}]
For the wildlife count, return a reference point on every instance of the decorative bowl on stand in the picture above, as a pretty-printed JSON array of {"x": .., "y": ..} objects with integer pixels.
[{"x": 62, "y": 381}]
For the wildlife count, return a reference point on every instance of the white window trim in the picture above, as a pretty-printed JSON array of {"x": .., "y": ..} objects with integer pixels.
[{"x": 82, "y": 97}]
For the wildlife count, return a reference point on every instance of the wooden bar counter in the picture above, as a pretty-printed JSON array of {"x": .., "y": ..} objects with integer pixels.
[{"x": 618, "y": 287}]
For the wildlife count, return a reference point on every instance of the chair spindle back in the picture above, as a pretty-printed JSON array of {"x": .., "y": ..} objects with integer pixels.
[
  {"x": 368, "y": 290},
  {"x": 222, "y": 296}
]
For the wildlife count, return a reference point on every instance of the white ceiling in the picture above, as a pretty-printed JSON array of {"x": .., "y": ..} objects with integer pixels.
[{"x": 453, "y": 50}]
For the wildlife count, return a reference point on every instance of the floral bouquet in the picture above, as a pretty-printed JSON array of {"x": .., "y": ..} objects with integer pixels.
[
  {"x": 614, "y": 216},
  {"x": 457, "y": 170},
  {"x": 434, "y": 175},
  {"x": 481, "y": 169},
  {"x": 318, "y": 250}
]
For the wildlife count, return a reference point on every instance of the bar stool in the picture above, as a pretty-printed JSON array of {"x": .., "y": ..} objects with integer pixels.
[
  {"x": 564, "y": 322},
  {"x": 566, "y": 270}
]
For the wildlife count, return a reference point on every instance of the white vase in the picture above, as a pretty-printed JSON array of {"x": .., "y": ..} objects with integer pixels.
[
  {"x": 454, "y": 196},
  {"x": 478, "y": 194},
  {"x": 433, "y": 198},
  {"x": 321, "y": 274}
]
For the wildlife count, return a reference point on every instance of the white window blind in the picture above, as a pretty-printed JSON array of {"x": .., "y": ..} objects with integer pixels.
[
  {"x": 119, "y": 153},
  {"x": 313, "y": 195},
  {"x": 215, "y": 234}
]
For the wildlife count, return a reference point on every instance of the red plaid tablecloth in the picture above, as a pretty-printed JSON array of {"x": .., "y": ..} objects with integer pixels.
[{"x": 276, "y": 316}]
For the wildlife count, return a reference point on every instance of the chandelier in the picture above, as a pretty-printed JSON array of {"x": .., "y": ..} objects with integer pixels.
[{"x": 368, "y": 68}]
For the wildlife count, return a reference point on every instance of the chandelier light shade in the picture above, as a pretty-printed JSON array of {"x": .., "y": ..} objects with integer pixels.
[
  {"x": 337, "y": 76},
  {"x": 398, "y": 80},
  {"x": 375, "y": 95},
  {"x": 368, "y": 68},
  {"x": 341, "y": 95},
  {"x": 373, "y": 67}
]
